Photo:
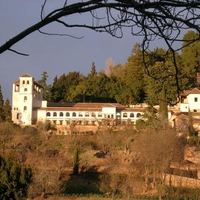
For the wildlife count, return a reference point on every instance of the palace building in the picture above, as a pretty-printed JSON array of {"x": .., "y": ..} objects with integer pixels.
[{"x": 29, "y": 108}]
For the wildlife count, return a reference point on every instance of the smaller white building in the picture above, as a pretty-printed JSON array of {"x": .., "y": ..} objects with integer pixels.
[{"x": 190, "y": 100}]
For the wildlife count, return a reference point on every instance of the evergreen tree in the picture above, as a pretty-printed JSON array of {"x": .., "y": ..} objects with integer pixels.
[
  {"x": 46, "y": 88},
  {"x": 76, "y": 162},
  {"x": 14, "y": 179},
  {"x": 7, "y": 111},
  {"x": 93, "y": 71},
  {"x": 1, "y": 106},
  {"x": 191, "y": 59},
  {"x": 191, "y": 129},
  {"x": 163, "y": 104},
  {"x": 134, "y": 77}
]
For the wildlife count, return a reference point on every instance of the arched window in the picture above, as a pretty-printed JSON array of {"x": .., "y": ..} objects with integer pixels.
[
  {"x": 80, "y": 114},
  {"x": 124, "y": 114},
  {"x": 25, "y": 108},
  {"x": 132, "y": 115},
  {"x": 138, "y": 115},
  {"x": 93, "y": 115},
  {"x": 25, "y": 89},
  {"x": 73, "y": 114},
  {"x": 18, "y": 115},
  {"x": 27, "y": 82},
  {"x": 67, "y": 114},
  {"x": 61, "y": 114},
  {"x": 87, "y": 114},
  {"x": 48, "y": 114},
  {"x": 54, "y": 114},
  {"x": 23, "y": 82},
  {"x": 25, "y": 98},
  {"x": 99, "y": 114}
]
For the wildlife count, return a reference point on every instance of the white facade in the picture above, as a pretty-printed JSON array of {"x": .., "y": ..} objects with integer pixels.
[
  {"x": 26, "y": 96},
  {"x": 28, "y": 108},
  {"x": 190, "y": 101}
]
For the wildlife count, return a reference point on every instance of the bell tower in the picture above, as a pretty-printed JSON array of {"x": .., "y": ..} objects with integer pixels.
[{"x": 25, "y": 96}]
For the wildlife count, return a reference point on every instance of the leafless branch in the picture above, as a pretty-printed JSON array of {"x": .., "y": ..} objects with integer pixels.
[
  {"x": 17, "y": 52},
  {"x": 155, "y": 19}
]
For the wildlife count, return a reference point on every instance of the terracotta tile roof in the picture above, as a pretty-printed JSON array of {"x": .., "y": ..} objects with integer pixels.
[
  {"x": 26, "y": 75},
  {"x": 85, "y": 105},
  {"x": 192, "y": 91}
]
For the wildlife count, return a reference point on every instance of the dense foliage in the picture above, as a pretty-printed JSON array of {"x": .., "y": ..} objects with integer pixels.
[
  {"x": 132, "y": 82},
  {"x": 14, "y": 179}
]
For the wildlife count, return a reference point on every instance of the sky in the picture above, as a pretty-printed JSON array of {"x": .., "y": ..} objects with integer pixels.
[{"x": 53, "y": 54}]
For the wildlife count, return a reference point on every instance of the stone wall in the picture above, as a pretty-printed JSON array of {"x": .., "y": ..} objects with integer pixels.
[{"x": 180, "y": 181}]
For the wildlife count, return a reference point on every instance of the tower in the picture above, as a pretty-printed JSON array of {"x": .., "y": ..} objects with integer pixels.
[{"x": 26, "y": 95}]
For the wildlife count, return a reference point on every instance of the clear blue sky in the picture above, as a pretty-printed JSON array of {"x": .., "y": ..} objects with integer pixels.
[{"x": 53, "y": 54}]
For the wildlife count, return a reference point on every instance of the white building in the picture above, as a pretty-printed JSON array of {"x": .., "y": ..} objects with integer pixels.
[
  {"x": 28, "y": 108},
  {"x": 190, "y": 100}
]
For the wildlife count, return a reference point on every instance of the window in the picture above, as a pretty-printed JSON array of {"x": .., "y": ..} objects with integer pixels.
[
  {"x": 132, "y": 115},
  {"x": 138, "y": 115},
  {"x": 67, "y": 114},
  {"x": 27, "y": 82},
  {"x": 195, "y": 99},
  {"x": 48, "y": 114},
  {"x": 25, "y": 89},
  {"x": 54, "y": 114},
  {"x": 23, "y": 82},
  {"x": 93, "y": 115},
  {"x": 61, "y": 114},
  {"x": 124, "y": 114},
  {"x": 25, "y": 108},
  {"x": 80, "y": 114},
  {"x": 99, "y": 114},
  {"x": 18, "y": 116},
  {"x": 25, "y": 98},
  {"x": 73, "y": 114},
  {"x": 87, "y": 114}
]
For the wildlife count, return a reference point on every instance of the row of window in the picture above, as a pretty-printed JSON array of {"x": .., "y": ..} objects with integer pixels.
[
  {"x": 25, "y": 82},
  {"x": 80, "y": 114}
]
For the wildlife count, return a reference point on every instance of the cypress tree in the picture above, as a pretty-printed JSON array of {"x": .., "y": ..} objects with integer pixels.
[
  {"x": 163, "y": 109},
  {"x": 7, "y": 111},
  {"x": 1, "y": 105},
  {"x": 76, "y": 162}
]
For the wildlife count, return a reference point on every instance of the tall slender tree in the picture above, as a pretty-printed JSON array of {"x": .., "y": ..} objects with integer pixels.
[
  {"x": 7, "y": 111},
  {"x": 1, "y": 105}
]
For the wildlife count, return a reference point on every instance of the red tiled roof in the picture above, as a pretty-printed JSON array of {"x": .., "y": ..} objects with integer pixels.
[
  {"x": 192, "y": 91},
  {"x": 26, "y": 75}
]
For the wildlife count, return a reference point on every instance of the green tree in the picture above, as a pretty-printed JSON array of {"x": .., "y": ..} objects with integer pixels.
[
  {"x": 161, "y": 74},
  {"x": 72, "y": 80},
  {"x": 46, "y": 88},
  {"x": 163, "y": 104},
  {"x": 76, "y": 162},
  {"x": 135, "y": 76},
  {"x": 58, "y": 88},
  {"x": 7, "y": 111},
  {"x": 1, "y": 106},
  {"x": 192, "y": 131},
  {"x": 191, "y": 59},
  {"x": 14, "y": 179}
]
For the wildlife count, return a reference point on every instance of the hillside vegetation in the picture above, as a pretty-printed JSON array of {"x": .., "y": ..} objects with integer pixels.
[{"x": 109, "y": 163}]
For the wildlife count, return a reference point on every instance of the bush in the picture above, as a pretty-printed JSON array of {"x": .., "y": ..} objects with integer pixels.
[{"x": 14, "y": 179}]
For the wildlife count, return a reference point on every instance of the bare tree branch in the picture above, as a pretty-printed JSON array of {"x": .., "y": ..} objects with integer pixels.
[
  {"x": 152, "y": 19},
  {"x": 17, "y": 52}
]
